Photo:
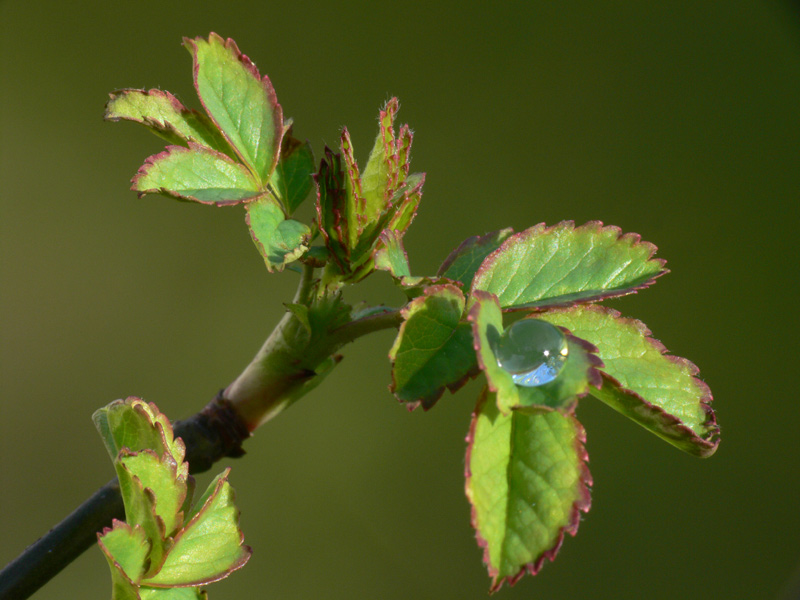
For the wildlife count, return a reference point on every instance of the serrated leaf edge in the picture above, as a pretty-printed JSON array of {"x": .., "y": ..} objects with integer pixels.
[
  {"x": 593, "y": 375},
  {"x": 582, "y": 504},
  {"x": 277, "y": 111},
  {"x": 117, "y": 524},
  {"x": 470, "y": 242},
  {"x": 707, "y": 445},
  {"x": 179, "y": 473},
  {"x": 291, "y": 255},
  {"x": 429, "y": 401},
  {"x": 634, "y": 239},
  {"x": 222, "y": 479},
  {"x": 192, "y": 147},
  {"x": 165, "y": 125}
]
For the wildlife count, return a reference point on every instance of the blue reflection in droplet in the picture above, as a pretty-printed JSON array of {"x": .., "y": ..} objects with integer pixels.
[{"x": 532, "y": 351}]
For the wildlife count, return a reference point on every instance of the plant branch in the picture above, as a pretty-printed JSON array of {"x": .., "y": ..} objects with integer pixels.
[
  {"x": 209, "y": 435},
  {"x": 275, "y": 379}
]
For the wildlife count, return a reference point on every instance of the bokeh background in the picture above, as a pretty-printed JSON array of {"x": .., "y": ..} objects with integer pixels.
[{"x": 677, "y": 120}]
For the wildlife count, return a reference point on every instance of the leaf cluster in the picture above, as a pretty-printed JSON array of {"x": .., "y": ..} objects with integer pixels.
[
  {"x": 168, "y": 545},
  {"x": 526, "y": 469}
]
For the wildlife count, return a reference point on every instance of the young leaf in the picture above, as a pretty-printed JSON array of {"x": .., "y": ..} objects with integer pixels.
[
  {"x": 331, "y": 200},
  {"x": 527, "y": 481},
  {"x": 163, "y": 113},
  {"x": 291, "y": 179},
  {"x": 137, "y": 425},
  {"x": 464, "y": 261},
  {"x": 355, "y": 208},
  {"x": 166, "y": 480},
  {"x": 433, "y": 349},
  {"x": 405, "y": 203},
  {"x": 198, "y": 174},
  {"x": 659, "y": 391},
  {"x": 486, "y": 318},
  {"x": 210, "y": 546},
  {"x": 242, "y": 103},
  {"x": 121, "y": 586},
  {"x": 140, "y": 510},
  {"x": 126, "y": 548},
  {"x": 578, "y": 377},
  {"x": 352, "y": 212},
  {"x": 178, "y": 593},
  {"x": 573, "y": 381},
  {"x": 380, "y": 175},
  {"x": 278, "y": 239},
  {"x": 325, "y": 315},
  {"x": 391, "y": 255},
  {"x": 563, "y": 265}
]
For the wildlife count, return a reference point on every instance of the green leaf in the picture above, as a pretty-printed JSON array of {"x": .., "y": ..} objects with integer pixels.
[
  {"x": 140, "y": 510},
  {"x": 167, "y": 482},
  {"x": 578, "y": 377},
  {"x": 163, "y": 113},
  {"x": 391, "y": 256},
  {"x": 126, "y": 548},
  {"x": 121, "y": 587},
  {"x": 242, "y": 103},
  {"x": 331, "y": 201},
  {"x": 154, "y": 480},
  {"x": 528, "y": 482},
  {"x": 353, "y": 219},
  {"x": 137, "y": 425},
  {"x": 463, "y": 262},
  {"x": 433, "y": 349},
  {"x": 355, "y": 208},
  {"x": 291, "y": 179},
  {"x": 486, "y": 318},
  {"x": 278, "y": 239},
  {"x": 300, "y": 311},
  {"x": 210, "y": 547},
  {"x": 564, "y": 265},
  {"x": 380, "y": 175},
  {"x": 326, "y": 314},
  {"x": 178, "y": 593},
  {"x": 573, "y": 381},
  {"x": 659, "y": 391},
  {"x": 198, "y": 174},
  {"x": 405, "y": 203}
]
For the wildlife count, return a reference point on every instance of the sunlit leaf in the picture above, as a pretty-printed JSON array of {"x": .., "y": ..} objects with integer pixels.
[
  {"x": 527, "y": 481},
  {"x": 464, "y": 261},
  {"x": 564, "y": 265},
  {"x": 573, "y": 381},
  {"x": 380, "y": 175},
  {"x": 163, "y": 113},
  {"x": 198, "y": 174},
  {"x": 137, "y": 425},
  {"x": 291, "y": 179},
  {"x": 391, "y": 255},
  {"x": 433, "y": 349},
  {"x": 126, "y": 548},
  {"x": 241, "y": 102},
  {"x": 177, "y": 593},
  {"x": 210, "y": 547},
  {"x": 659, "y": 391},
  {"x": 278, "y": 239},
  {"x": 166, "y": 480}
]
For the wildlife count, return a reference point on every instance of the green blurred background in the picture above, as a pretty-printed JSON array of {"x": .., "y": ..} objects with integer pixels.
[{"x": 677, "y": 120}]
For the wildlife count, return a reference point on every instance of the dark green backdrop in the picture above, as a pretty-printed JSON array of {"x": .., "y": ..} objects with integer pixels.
[{"x": 677, "y": 120}]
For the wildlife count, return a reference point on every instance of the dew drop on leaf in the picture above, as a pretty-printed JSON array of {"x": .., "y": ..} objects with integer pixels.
[{"x": 532, "y": 351}]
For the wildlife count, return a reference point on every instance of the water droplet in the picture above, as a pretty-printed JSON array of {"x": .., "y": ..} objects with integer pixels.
[{"x": 532, "y": 351}]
